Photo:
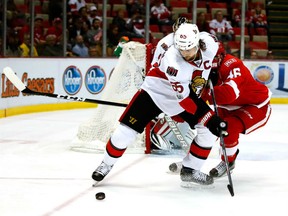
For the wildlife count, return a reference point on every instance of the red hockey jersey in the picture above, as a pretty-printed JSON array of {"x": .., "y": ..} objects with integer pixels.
[{"x": 236, "y": 86}]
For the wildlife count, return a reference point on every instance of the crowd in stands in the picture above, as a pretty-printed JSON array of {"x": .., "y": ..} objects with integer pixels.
[{"x": 126, "y": 18}]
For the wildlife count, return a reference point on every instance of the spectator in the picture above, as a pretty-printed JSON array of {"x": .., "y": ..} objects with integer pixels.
[
  {"x": 93, "y": 14},
  {"x": 94, "y": 35},
  {"x": 259, "y": 18},
  {"x": 160, "y": 14},
  {"x": 138, "y": 5},
  {"x": 221, "y": 28},
  {"x": 86, "y": 27},
  {"x": 76, "y": 29},
  {"x": 94, "y": 51},
  {"x": 113, "y": 37},
  {"x": 254, "y": 55},
  {"x": 12, "y": 13},
  {"x": 39, "y": 33},
  {"x": 24, "y": 29},
  {"x": 51, "y": 47},
  {"x": 136, "y": 25},
  {"x": 56, "y": 29},
  {"x": 80, "y": 49},
  {"x": 202, "y": 23},
  {"x": 26, "y": 46},
  {"x": 39, "y": 38},
  {"x": 13, "y": 43},
  {"x": 120, "y": 21},
  {"x": 236, "y": 19},
  {"x": 83, "y": 13},
  {"x": 75, "y": 5},
  {"x": 269, "y": 55}
]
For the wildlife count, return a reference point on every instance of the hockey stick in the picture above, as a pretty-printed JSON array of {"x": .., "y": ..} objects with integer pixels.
[
  {"x": 21, "y": 87},
  {"x": 230, "y": 185}
]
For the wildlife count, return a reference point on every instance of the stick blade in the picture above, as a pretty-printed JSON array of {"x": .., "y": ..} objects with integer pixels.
[
  {"x": 9, "y": 73},
  {"x": 231, "y": 190}
]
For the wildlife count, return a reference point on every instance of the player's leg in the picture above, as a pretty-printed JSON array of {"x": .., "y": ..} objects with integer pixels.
[
  {"x": 244, "y": 120},
  {"x": 136, "y": 116},
  {"x": 199, "y": 151},
  {"x": 235, "y": 127}
]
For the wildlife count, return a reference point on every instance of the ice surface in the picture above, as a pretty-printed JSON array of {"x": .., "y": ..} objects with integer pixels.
[{"x": 40, "y": 176}]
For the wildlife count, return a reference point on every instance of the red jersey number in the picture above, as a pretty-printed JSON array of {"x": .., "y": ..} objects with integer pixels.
[{"x": 177, "y": 87}]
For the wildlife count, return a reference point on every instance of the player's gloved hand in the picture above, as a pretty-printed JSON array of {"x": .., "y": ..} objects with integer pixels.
[{"x": 215, "y": 124}]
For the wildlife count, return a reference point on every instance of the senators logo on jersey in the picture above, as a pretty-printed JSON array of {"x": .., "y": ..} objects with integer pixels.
[
  {"x": 171, "y": 71},
  {"x": 197, "y": 82}
]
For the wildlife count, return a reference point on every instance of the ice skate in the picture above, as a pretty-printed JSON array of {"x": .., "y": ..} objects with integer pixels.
[
  {"x": 220, "y": 170},
  {"x": 175, "y": 167},
  {"x": 190, "y": 176},
  {"x": 101, "y": 171}
]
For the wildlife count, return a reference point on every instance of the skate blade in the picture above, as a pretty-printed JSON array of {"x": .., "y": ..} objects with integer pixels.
[
  {"x": 173, "y": 173},
  {"x": 224, "y": 175},
  {"x": 196, "y": 186},
  {"x": 95, "y": 184}
]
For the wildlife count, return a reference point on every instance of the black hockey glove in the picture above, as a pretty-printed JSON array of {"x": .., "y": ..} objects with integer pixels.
[
  {"x": 213, "y": 76},
  {"x": 216, "y": 126}
]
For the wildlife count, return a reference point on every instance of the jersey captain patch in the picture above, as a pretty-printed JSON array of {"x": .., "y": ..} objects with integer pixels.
[{"x": 172, "y": 71}]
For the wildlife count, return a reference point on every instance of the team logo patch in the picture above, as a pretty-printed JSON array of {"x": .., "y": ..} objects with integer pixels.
[
  {"x": 198, "y": 84},
  {"x": 72, "y": 80},
  {"x": 95, "y": 79},
  {"x": 172, "y": 71},
  {"x": 263, "y": 74}
]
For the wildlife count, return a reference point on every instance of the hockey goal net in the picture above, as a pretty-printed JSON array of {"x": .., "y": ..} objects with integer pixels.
[{"x": 123, "y": 83}]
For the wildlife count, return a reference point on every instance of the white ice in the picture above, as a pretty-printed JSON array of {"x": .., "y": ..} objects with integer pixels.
[{"x": 40, "y": 176}]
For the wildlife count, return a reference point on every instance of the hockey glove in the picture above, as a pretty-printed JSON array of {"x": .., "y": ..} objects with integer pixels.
[{"x": 215, "y": 124}]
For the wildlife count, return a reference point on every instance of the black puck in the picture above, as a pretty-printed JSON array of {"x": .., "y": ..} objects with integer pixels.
[{"x": 100, "y": 196}]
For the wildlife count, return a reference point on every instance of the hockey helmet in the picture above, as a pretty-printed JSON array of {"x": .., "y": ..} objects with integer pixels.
[
  {"x": 179, "y": 22},
  {"x": 186, "y": 37}
]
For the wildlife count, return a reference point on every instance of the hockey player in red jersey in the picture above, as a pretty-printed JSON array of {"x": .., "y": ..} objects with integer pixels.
[
  {"x": 242, "y": 102},
  {"x": 172, "y": 86}
]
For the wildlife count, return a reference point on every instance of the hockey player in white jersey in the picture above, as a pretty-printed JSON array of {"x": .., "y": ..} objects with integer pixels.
[
  {"x": 172, "y": 86},
  {"x": 161, "y": 134}
]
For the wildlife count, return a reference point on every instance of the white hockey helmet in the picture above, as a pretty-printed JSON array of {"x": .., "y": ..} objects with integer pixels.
[
  {"x": 178, "y": 22},
  {"x": 186, "y": 37}
]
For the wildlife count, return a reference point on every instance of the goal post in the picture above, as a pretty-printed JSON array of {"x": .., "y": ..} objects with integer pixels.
[{"x": 124, "y": 82}]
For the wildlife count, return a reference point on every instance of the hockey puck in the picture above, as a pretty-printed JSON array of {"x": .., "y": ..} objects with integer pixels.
[{"x": 100, "y": 196}]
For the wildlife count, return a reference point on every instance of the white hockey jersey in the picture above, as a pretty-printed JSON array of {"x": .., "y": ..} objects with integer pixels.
[{"x": 168, "y": 81}]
